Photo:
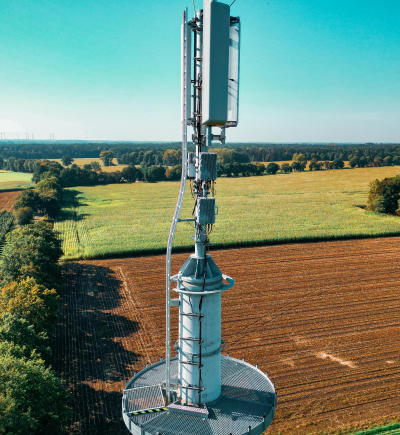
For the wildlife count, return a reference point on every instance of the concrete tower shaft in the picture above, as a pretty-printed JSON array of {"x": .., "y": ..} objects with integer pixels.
[{"x": 200, "y": 284}]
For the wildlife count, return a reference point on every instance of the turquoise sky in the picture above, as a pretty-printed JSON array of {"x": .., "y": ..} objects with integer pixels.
[{"x": 94, "y": 69}]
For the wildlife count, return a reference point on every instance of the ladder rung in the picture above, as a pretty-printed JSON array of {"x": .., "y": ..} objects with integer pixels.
[
  {"x": 192, "y": 388},
  {"x": 191, "y": 314}
]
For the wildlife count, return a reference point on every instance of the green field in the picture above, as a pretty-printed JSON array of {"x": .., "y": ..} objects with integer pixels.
[
  {"x": 132, "y": 218},
  {"x": 390, "y": 429},
  {"x": 15, "y": 180}
]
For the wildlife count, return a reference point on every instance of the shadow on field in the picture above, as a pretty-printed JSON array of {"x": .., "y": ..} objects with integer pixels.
[
  {"x": 89, "y": 416},
  {"x": 70, "y": 204},
  {"x": 89, "y": 346}
]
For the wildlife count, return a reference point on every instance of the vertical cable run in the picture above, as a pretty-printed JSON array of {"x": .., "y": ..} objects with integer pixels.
[{"x": 178, "y": 206}]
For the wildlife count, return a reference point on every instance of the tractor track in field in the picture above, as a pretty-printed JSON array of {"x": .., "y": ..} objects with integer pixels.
[{"x": 321, "y": 318}]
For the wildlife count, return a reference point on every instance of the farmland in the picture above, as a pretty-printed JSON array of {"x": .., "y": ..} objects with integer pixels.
[
  {"x": 321, "y": 318},
  {"x": 7, "y": 199},
  {"x": 15, "y": 180},
  {"x": 6, "y": 223},
  {"x": 132, "y": 218},
  {"x": 84, "y": 161}
]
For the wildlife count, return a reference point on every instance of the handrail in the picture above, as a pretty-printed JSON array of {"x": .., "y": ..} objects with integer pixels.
[
  {"x": 231, "y": 283},
  {"x": 179, "y": 202}
]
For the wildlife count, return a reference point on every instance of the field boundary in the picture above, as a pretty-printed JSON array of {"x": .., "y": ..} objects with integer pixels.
[
  {"x": 244, "y": 244},
  {"x": 14, "y": 189},
  {"x": 388, "y": 428}
]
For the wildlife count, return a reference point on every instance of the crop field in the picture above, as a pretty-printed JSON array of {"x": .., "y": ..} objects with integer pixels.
[
  {"x": 322, "y": 318},
  {"x": 7, "y": 199},
  {"x": 85, "y": 161},
  {"x": 6, "y": 223},
  {"x": 388, "y": 429},
  {"x": 133, "y": 218},
  {"x": 15, "y": 180}
]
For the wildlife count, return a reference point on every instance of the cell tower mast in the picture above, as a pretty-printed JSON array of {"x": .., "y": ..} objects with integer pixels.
[{"x": 179, "y": 395}]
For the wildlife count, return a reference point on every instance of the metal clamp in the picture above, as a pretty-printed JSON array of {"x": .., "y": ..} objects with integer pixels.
[{"x": 190, "y": 356}]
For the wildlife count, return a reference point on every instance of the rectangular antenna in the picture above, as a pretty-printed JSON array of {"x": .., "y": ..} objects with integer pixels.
[
  {"x": 186, "y": 52},
  {"x": 216, "y": 23},
  {"x": 234, "y": 62}
]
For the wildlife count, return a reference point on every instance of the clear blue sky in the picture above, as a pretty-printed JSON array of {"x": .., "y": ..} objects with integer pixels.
[{"x": 99, "y": 69}]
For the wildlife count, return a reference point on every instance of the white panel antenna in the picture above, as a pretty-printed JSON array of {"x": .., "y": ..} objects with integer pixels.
[
  {"x": 186, "y": 97},
  {"x": 233, "y": 79},
  {"x": 216, "y": 23}
]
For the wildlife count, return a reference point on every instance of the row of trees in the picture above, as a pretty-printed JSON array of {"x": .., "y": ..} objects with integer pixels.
[
  {"x": 77, "y": 150},
  {"x": 250, "y": 169},
  {"x": 32, "y": 398},
  {"x": 173, "y": 157},
  {"x": 90, "y": 174},
  {"x": 86, "y": 176},
  {"x": 299, "y": 163},
  {"x": 19, "y": 165},
  {"x": 168, "y": 153},
  {"x": 320, "y": 152},
  {"x": 361, "y": 157}
]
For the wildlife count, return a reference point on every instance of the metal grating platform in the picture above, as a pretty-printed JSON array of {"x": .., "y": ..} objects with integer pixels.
[
  {"x": 143, "y": 398},
  {"x": 189, "y": 410},
  {"x": 248, "y": 401}
]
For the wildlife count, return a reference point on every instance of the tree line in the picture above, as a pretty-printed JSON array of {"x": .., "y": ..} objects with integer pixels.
[
  {"x": 168, "y": 153},
  {"x": 71, "y": 175},
  {"x": 39, "y": 151},
  {"x": 32, "y": 398}
]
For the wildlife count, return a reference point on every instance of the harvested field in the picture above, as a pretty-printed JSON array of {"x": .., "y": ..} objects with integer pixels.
[
  {"x": 7, "y": 199},
  {"x": 322, "y": 318},
  {"x": 84, "y": 161}
]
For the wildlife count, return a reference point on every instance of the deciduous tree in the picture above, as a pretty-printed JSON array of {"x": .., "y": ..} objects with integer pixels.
[
  {"x": 33, "y": 401},
  {"x": 32, "y": 251},
  {"x": 107, "y": 157},
  {"x": 23, "y": 215},
  {"x": 66, "y": 160},
  {"x": 174, "y": 173},
  {"x": 96, "y": 166},
  {"x": 131, "y": 174},
  {"x": 272, "y": 168},
  {"x": 17, "y": 330},
  {"x": 338, "y": 164},
  {"x": 27, "y": 198},
  {"x": 30, "y": 301}
]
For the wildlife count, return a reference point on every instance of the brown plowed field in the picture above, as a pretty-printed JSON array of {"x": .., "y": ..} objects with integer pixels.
[
  {"x": 322, "y": 318},
  {"x": 7, "y": 199}
]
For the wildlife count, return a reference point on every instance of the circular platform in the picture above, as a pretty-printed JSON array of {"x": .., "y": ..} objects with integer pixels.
[{"x": 247, "y": 404}]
